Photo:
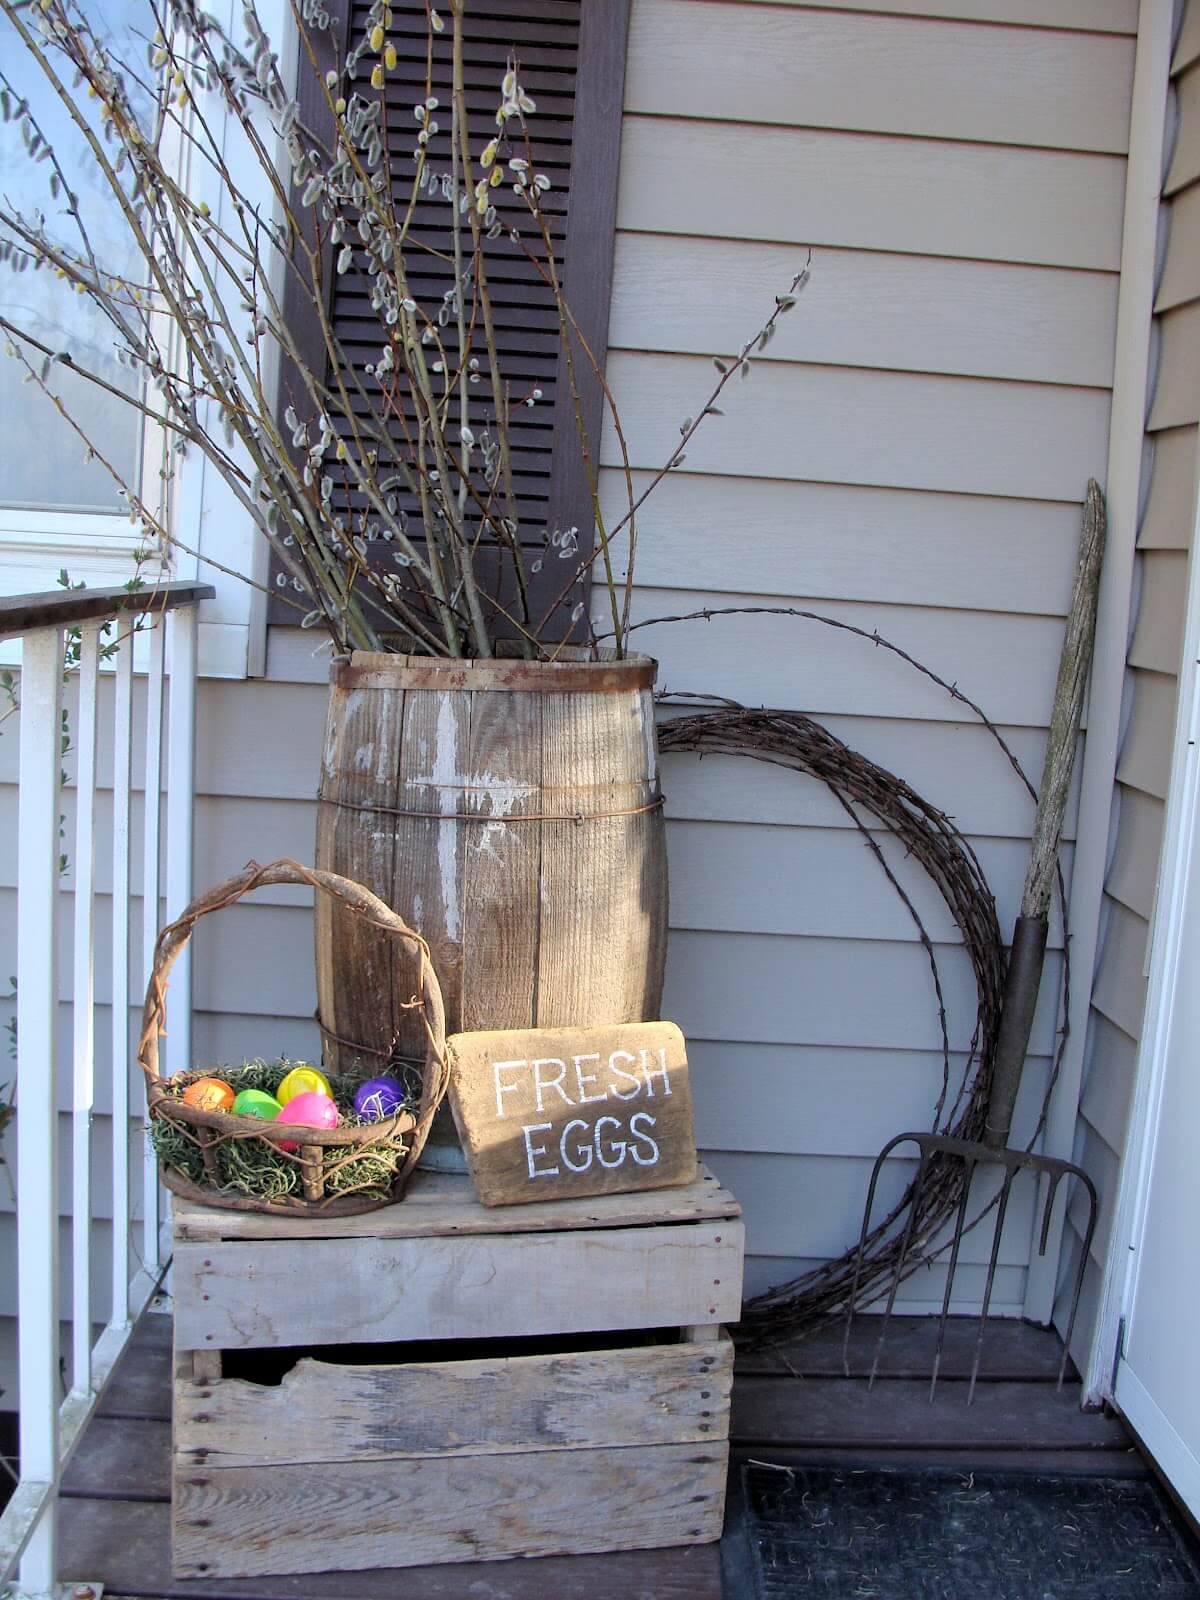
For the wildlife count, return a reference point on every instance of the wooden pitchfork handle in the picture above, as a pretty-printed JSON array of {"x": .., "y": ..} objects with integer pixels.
[{"x": 1027, "y": 954}]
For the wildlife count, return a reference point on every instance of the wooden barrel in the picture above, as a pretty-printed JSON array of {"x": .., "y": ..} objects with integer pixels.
[{"x": 511, "y": 812}]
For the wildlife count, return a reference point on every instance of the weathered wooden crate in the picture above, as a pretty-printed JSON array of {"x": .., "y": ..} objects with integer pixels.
[{"x": 597, "y": 1442}]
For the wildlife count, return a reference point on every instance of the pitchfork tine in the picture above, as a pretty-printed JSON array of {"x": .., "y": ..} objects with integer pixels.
[
  {"x": 958, "y": 1234},
  {"x": 1052, "y": 1190},
  {"x": 918, "y": 1181},
  {"x": 1005, "y": 1191},
  {"x": 1093, "y": 1211},
  {"x": 862, "y": 1244}
]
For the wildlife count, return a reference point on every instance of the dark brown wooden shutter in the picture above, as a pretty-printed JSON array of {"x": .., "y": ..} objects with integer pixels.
[{"x": 572, "y": 60}]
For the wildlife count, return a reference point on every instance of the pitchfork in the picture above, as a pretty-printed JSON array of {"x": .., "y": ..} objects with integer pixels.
[{"x": 1022, "y": 981}]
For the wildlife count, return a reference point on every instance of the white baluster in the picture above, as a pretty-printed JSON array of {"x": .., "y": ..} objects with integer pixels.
[
  {"x": 122, "y": 783},
  {"x": 152, "y": 840},
  {"x": 83, "y": 1017},
  {"x": 181, "y": 783},
  {"x": 37, "y": 1144}
]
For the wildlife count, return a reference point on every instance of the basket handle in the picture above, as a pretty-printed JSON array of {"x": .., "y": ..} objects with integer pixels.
[{"x": 352, "y": 895}]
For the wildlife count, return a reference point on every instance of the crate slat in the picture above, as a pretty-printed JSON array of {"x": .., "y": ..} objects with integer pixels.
[
  {"x": 239, "y": 1295},
  {"x": 657, "y": 1394},
  {"x": 251, "y": 1520},
  {"x": 128, "y": 1541},
  {"x": 444, "y": 1205}
]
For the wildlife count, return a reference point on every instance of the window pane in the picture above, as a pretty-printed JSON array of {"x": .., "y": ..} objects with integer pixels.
[{"x": 43, "y": 460}]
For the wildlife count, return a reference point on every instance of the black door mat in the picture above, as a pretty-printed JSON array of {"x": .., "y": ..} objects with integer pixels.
[{"x": 934, "y": 1534}]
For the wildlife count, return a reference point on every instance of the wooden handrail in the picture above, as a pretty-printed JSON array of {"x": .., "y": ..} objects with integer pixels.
[{"x": 63, "y": 608}]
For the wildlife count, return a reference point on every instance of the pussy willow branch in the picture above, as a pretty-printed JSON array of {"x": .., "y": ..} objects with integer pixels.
[
  {"x": 162, "y": 194},
  {"x": 569, "y": 325},
  {"x": 87, "y": 64},
  {"x": 582, "y": 438},
  {"x": 327, "y": 569},
  {"x": 460, "y": 172},
  {"x": 72, "y": 206},
  {"x": 211, "y": 280},
  {"x": 150, "y": 520},
  {"x": 509, "y": 521},
  {"x": 232, "y": 401},
  {"x": 740, "y": 363}
]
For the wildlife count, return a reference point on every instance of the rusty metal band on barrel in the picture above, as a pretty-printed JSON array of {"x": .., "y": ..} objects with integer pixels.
[{"x": 577, "y": 817}]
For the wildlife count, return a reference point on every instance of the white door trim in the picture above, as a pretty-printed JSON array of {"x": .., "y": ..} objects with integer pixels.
[
  {"x": 1154, "y": 1429},
  {"x": 1180, "y": 826}
]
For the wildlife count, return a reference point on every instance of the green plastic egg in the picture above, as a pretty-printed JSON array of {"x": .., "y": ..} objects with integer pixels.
[{"x": 256, "y": 1103}]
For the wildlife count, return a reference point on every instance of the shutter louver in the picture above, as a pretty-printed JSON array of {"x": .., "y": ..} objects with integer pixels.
[{"x": 570, "y": 63}]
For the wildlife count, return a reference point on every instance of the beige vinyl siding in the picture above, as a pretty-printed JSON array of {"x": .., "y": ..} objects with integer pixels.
[
  {"x": 999, "y": 203},
  {"x": 1100, "y": 16},
  {"x": 1187, "y": 45},
  {"x": 908, "y": 456},
  {"x": 854, "y": 425},
  {"x": 907, "y": 79},
  {"x": 875, "y": 308},
  {"x": 1143, "y": 768},
  {"x": 1145, "y": 758}
]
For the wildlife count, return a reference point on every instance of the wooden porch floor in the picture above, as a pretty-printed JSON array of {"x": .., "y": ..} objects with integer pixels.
[{"x": 792, "y": 1407}]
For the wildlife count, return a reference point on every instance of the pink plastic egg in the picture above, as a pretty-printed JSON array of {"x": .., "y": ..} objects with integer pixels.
[{"x": 308, "y": 1111}]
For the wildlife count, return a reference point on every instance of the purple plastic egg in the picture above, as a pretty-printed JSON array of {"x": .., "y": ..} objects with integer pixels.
[{"x": 378, "y": 1098}]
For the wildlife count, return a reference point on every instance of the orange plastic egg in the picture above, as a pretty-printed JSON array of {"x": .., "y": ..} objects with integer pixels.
[{"x": 208, "y": 1094}]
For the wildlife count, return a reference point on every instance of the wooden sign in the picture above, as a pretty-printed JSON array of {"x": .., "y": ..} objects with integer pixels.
[{"x": 559, "y": 1113}]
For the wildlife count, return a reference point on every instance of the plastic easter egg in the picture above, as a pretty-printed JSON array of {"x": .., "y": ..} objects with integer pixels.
[
  {"x": 310, "y": 1110},
  {"x": 378, "y": 1098},
  {"x": 302, "y": 1080},
  {"x": 256, "y": 1103},
  {"x": 208, "y": 1094}
]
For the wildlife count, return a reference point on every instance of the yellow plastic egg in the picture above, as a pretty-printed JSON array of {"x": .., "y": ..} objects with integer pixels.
[
  {"x": 302, "y": 1080},
  {"x": 208, "y": 1094}
]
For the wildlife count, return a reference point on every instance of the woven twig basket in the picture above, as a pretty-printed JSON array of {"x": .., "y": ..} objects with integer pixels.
[{"x": 319, "y": 1149}]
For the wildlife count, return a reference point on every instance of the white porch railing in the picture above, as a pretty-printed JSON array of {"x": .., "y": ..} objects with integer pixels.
[{"x": 51, "y": 1423}]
